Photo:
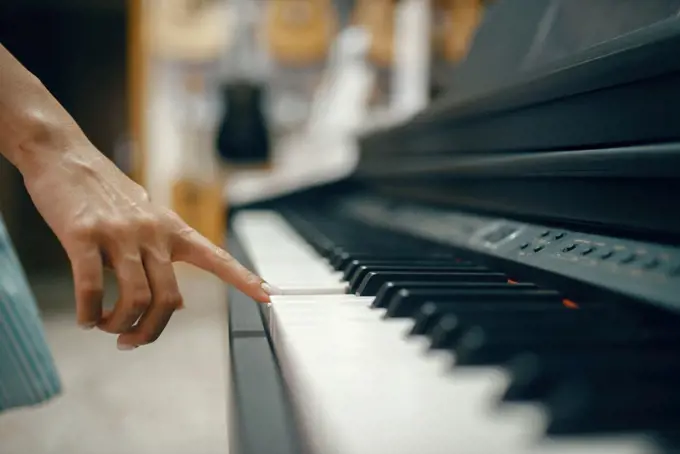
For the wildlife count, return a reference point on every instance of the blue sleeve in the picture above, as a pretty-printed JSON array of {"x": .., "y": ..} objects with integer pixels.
[{"x": 28, "y": 375}]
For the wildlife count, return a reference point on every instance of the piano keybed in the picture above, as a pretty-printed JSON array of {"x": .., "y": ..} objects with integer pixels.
[{"x": 394, "y": 344}]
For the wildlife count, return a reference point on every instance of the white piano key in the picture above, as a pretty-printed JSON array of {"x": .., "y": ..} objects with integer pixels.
[
  {"x": 282, "y": 258},
  {"x": 294, "y": 288}
]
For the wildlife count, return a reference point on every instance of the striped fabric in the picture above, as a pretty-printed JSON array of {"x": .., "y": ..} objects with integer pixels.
[{"x": 27, "y": 372}]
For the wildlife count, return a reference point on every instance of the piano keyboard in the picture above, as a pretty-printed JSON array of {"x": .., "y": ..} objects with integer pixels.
[{"x": 393, "y": 344}]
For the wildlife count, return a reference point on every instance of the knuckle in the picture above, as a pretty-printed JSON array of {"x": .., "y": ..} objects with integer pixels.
[
  {"x": 224, "y": 256},
  {"x": 140, "y": 300},
  {"x": 173, "y": 218},
  {"x": 117, "y": 227},
  {"x": 171, "y": 301},
  {"x": 85, "y": 229},
  {"x": 185, "y": 232},
  {"x": 253, "y": 279},
  {"x": 147, "y": 225},
  {"x": 145, "y": 195}
]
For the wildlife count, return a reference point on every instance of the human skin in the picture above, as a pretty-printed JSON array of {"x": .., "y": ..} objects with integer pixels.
[{"x": 102, "y": 218}]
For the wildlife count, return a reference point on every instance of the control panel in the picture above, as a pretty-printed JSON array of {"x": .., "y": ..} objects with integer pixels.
[{"x": 642, "y": 270}]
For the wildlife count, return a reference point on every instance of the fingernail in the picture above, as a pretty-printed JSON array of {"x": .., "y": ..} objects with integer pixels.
[
  {"x": 87, "y": 325},
  {"x": 270, "y": 289},
  {"x": 126, "y": 347}
]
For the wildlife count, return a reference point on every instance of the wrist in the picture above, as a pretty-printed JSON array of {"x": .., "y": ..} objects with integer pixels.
[{"x": 43, "y": 140}]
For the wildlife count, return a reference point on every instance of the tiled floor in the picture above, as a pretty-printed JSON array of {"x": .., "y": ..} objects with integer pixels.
[{"x": 167, "y": 398}]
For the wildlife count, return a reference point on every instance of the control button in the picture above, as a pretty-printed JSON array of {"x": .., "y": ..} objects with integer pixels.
[
  {"x": 499, "y": 234},
  {"x": 629, "y": 258},
  {"x": 569, "y": 248},
  {"x": 524, "y": 246},
  {"x": 545, "y": 233},
  {"x": 588, "y": 250},
  {"x": 538, "y": 248},
  {"x": 560, "y": 235},
  {"x": 606, "y": 255}
]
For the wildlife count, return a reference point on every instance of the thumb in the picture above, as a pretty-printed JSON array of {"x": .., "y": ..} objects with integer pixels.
[{"x": 194, "y": 248}]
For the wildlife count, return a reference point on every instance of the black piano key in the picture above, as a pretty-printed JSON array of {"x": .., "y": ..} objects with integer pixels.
[
  {"x": 464, "y": 295},
  {"x": 453, "y": 327},
  {"x": 479, "y": 346},
  {"x": 366, "y": 242},
  {"x": 471, "y": 312},
  {"x": 373, "y": 281},
  {"x": 504, "y": 312},
  {"x": 389, "y": 289},
  {"x": 533, "y": 375},
  {"x": 403, "y": 272},
  {"x": 339, "y": 257},
  {"x": 509, "y": 317},
  {"x": 509, "y": 294},
  {"x": 426, "y": 318},
  {"x": 430, "y": 313},
  {"x": 446, "y": 323},
  {"x": 342, "y": 257},
  {"x": 614, "y": 405},
  {"x": 354, "y": 265}
]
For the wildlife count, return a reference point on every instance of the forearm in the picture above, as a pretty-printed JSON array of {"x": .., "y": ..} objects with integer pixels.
[{"x": 33, "y": 125}]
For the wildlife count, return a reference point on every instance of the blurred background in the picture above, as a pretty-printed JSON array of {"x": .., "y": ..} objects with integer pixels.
[{"x": 217, "y": 103}]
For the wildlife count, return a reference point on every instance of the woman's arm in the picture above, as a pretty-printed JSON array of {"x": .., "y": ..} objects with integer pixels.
[
  {"x": 31, "y": 120},
  {"x": 101, "y": 217}
]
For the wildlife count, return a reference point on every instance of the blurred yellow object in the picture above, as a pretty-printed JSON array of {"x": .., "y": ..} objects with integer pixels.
[
  {"x": 378, "y": 18},
  {"x": 189, "y": 30},
  {"x": 299, "y": 32},
  {"x": 460, "y": 21},
  {"x": 196, "y": 193},
  {"x": 202, "y": 206}
]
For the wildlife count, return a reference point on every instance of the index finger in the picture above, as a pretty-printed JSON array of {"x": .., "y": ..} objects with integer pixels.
[{"x": 197, "y": 250}]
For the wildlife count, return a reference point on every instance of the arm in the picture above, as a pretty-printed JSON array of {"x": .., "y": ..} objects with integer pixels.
[
  {"x": 101, "y": 217},
  {"x": 31, "y": 120}
]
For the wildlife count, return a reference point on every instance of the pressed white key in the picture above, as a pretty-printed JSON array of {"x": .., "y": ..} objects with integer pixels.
[{"x": 282, "y": 257}]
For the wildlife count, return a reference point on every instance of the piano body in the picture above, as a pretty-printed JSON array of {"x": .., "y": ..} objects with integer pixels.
[{"x": 501, "y": 273}]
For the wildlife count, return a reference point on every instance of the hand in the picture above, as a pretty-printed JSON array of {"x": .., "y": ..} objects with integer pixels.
[{"x": 101, "y": 218}]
